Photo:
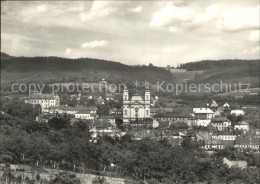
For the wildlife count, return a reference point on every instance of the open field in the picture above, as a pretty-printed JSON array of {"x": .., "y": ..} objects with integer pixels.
[
  {"x": 180, "y": 75},
  {"x": 250, "y": 91}
]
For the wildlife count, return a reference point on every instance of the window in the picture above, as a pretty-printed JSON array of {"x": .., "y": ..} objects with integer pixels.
[
  {"x": 147, "y": 112},
  {"x": 125, "y": 112}
]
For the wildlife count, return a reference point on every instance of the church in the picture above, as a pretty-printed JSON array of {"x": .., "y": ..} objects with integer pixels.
[{"x": 137, "y": 107}]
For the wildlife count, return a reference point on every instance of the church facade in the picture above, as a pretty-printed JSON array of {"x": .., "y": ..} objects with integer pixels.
[{"x": 137, "y": 107}]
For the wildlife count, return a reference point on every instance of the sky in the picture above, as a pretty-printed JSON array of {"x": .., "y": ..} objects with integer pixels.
[{"x": 132, "y": 32}]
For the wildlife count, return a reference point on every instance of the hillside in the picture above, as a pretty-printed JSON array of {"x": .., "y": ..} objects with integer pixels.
[
  {"x": 5, "y": 56},
  {"x": 55, "y": 69},
  {"x": 230, "y": 71}
]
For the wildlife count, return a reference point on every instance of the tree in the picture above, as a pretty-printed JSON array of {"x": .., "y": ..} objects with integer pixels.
[
  {"x": 65, "y": 178},
  {"x": 99, "y": 180},
  {"x": 58, "y": 123}
]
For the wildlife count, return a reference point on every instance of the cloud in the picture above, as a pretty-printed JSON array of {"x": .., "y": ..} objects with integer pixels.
[
  {"x": 99, "y": 9},
  {"x": 137, "y": 9},
  {"x": 41, "y": 8},
  {"x": 253, "y": 52},
  {"x": 239, "y": 19},
  {"x": 171, "y": 14},
  {"x": 68, "y": 51},
  {"x": 210, "y": 13},
  {"x": 47, "y": 13},
  {"x": 173, "y": 29},
  {"x": 254, "y": 36},
  {"x": 94, "y": 44}
]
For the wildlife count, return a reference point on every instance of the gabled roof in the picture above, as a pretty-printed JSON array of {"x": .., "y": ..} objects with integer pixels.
[
  {"x": 83, "y": 112},
  {"x": 77, "y": 108},
  {"x": 41, "y": 96},
  {"x": 228, "y": 143},
  {"x": 173, "y": 115},
  {"x": 243, "y": 123},
  {"x": 247, "y": 141},
  {"x": 203, "y": 111},
  {"x": 102, "y": 124},
  {"x": 214, "y": 141},
  {"x": 219, "y": 119},
  {"x": 160, "y": 110}
]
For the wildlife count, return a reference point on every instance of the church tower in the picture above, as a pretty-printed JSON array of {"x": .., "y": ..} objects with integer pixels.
[
  {"x": 125, "y": 94},
  {"x": 147, "y": 96}
]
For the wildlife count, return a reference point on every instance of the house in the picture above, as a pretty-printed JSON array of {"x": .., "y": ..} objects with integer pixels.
[
  {"x": 213, "y": 144},
  {"x": 110, "y": 96},
  {"x": 155, "y": 123},
  {"x": 175, "y": 117},
  {"x": 226, "y": 105},
  {"x": 203, "y": 113},
  {"x": 100, "y": 128},
  {"x": 62, "y": 109},
  {"x": 202, "y": 122},
  {"x": 109, "y": 118},
  {"x": 85, "y": 114},
  {"x": 237, "y": 112},
  {"x": 44, "y": 100},
  {"x": 115, "y": 111},
  {"x": 250, "y": 107},
  {"x": 214, "y": 104},
  {"x": 218, "y": 111},
  {"x": 77, "y": 97},
  {"x": 243, "y": 142},
  {"x": 227, "y": 140},
  {"x": 175, "y": 141},
  {"x": 225, "y": 137},
  {"x": 157, "y": 110},
  {"x": 242, "y": 125},
  {"x": 164, "y": 124},
  {"x": 235, "y": 163},
  {"x": 221, "y": 123},
  {"x": 137, "y": 107},
  {"x": 141, "y": 123}
]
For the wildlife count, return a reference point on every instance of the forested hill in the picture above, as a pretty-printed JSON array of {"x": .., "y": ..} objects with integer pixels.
[
  {"x": 57, "y": 69},
  {"x": 230, "y": 71},
  {"x": 5, "y": 56},
  {"x": 218, "y": 64}
]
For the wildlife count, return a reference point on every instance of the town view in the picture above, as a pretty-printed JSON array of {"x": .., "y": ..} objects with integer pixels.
[{"x": 130, "y": 92}]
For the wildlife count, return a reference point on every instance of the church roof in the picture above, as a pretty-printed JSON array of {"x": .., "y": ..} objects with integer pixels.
[{"x": 136, "y": 98}]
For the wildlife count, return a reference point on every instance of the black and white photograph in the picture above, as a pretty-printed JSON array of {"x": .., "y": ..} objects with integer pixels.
[{"x": 130, "y": 92}]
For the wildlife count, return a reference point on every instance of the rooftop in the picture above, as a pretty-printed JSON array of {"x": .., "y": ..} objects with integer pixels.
[
  {"x": 203, "y": 111},
  {"x": 41, "y": 96},
  {"x": 174, "y": 115},
  {"x": 247, "y": 141},
  {"x": 219, "y": 119},
  {"x": 136, "y": 97},
  {"x": 76, "y": 108}
]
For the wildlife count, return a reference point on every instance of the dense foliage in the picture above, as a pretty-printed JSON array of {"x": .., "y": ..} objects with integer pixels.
[
  {"x": 147, "y": 159},
  {"x": 55, "y": 69},
  {"x": 212, "y": 64}
]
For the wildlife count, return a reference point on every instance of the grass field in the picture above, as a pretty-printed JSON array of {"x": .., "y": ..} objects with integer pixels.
[
  {"x": 180, "y": 75},
  {"x": 241, "y": 93}
]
